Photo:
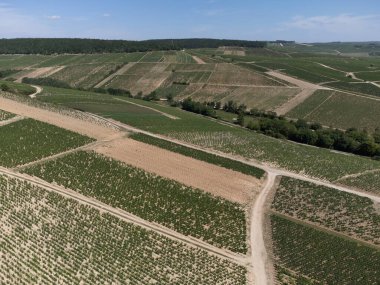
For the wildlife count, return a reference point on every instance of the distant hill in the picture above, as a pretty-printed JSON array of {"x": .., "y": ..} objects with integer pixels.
[{"x": 62, "y": 45}]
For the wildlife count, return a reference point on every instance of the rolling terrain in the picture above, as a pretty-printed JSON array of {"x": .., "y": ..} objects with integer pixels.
[{"x": 99, "y": 187}]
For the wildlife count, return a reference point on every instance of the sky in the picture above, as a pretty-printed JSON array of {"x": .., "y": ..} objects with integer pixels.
[{"x": 299, "y": 20}]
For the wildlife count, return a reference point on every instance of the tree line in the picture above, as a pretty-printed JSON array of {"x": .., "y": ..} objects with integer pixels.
[
  {"x": 352, "y": 140},
  {"x": 64, "y": 45}
]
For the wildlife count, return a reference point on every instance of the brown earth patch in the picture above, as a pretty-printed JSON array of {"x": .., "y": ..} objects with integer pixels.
[{"x": 222, "y": 182}]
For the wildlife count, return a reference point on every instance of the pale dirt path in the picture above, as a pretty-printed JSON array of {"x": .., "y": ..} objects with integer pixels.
[
  {"x": 260, "y": 260},
  {"x": 307, "y": 89},
  {"x": 198, "y": 60},
  {"x": 130, "y": 218},
  {"x": 146, "y": 107},
  {"x": 70, "y": 123},
  {"x": 228, "y": 184},
  {"x": 11, "y": 120},
  {"x": 38, "y": 91},
  {"x": 120, "y": 71},
  {"x": 252, "y": 162}
]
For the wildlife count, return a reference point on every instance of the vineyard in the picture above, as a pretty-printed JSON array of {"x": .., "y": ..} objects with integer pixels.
[
  {"x": 339, "y": 211},
  {"x": 323, "y": 257},
  {"x": 48, "y": 239},
  {"x": 29, "y": 140},
  {"x": 186, "y": 210},
  {"x": 366, "y": 181},
  {"x": 200, "y": 155},
  {"x": 5, "y": 115}
]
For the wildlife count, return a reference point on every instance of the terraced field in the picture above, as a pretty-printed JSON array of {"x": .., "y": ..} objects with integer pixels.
[
  {"x": 188, "y": 211},
  {"x": 65, "y": 242},
  {"x": 29, "y": 140}
]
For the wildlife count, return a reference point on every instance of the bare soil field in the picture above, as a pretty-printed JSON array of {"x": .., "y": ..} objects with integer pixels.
[
  {"x": 198, "y": 60},
  {"x": 73, "y": 124},
  {"x": 216, "y": 180}
]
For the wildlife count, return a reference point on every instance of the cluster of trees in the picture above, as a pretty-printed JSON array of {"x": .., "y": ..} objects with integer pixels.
[
  {"x": 197, "y": 107},
  {"x": 7, "y": 72},
  {"x": 269, "y": 123},
  {"x": 62, "y": 45}
]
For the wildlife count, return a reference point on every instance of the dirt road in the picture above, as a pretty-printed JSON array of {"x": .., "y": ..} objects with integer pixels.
[
  {"x": 198, "y": 60},
  {"x": 307, "y": 89},
  {"x": 259, "y": 257}
]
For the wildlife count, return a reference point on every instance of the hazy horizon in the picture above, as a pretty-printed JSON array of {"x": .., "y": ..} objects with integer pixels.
[{"x": 325, "y": 21}]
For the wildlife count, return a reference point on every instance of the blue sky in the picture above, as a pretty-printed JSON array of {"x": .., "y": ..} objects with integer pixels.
[{"x": 300, "y": 20}]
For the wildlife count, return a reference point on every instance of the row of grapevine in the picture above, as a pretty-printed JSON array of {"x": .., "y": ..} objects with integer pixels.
[
  {"x": 5, "y": 115},
  {"x": 186, "y": 210},
  {"x": 48, "y": 239},
  {"x": 29, "y": 140},
  {"x": 339, "y": 211}
]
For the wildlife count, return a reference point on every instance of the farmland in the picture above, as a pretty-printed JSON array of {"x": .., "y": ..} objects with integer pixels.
[
  {"x": 188, "y": 211},
  {"x": 29, "y": 140},
  {"x": 336, "y": 109},
  {"x": 342, "y": 212},
  {"x": 103, "y": 186},
  {"x": 203, "y": 132},
  {"x": 5, "y": 115},
  {"x": 321, "y": 256},
  {"x": 49, "y": 239}
]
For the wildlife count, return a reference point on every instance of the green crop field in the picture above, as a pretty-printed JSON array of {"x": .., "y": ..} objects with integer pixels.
[
  {"x": 369, "y": 75},
  {"x": 49, "y": 239},
  {"x": 17, "y": 88},
  {"x": 29, "y": 140},
  {"x": 188, "y": 211},
  {"x": 366, "y": 181},
  {"x": 6, "y": 115},
  {"x": 343, "y": 212},
  {"x": 323, "y": 257},
  {"x": 85, "y": 75},
  {"x": 339, "y": 109},
  {"x": 20, "y": 61},
  {"x": 362, "y": 88},
  {"x": 154, "y": 56},
  {"x": 192, "y": 128}
]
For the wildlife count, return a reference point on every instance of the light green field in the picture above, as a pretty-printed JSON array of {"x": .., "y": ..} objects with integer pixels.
[
  {"x": 317, "y": 162},
  {"x": 339, "y": 110},
  {"x": 29, "y": 140}
]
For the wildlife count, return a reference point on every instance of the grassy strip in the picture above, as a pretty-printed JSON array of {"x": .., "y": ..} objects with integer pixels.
[
  {"x": 16, "y": 88},
  {"x": 324, "y": 257},
  {"x": 29, "y": 140},
  {"x": 186, "y": 210},
  {"x": 201, "y": 155}
]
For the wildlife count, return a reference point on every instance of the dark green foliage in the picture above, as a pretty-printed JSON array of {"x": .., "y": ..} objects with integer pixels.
[
  {"x": 46, "y": 81},
  {"x": 186, "y": 210},
  {"x": 200, "y": 155},
  {"x": 199, "y": 108},
  {"x": 323, "y": 257},
  {"x": 53, "y": 46}
]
